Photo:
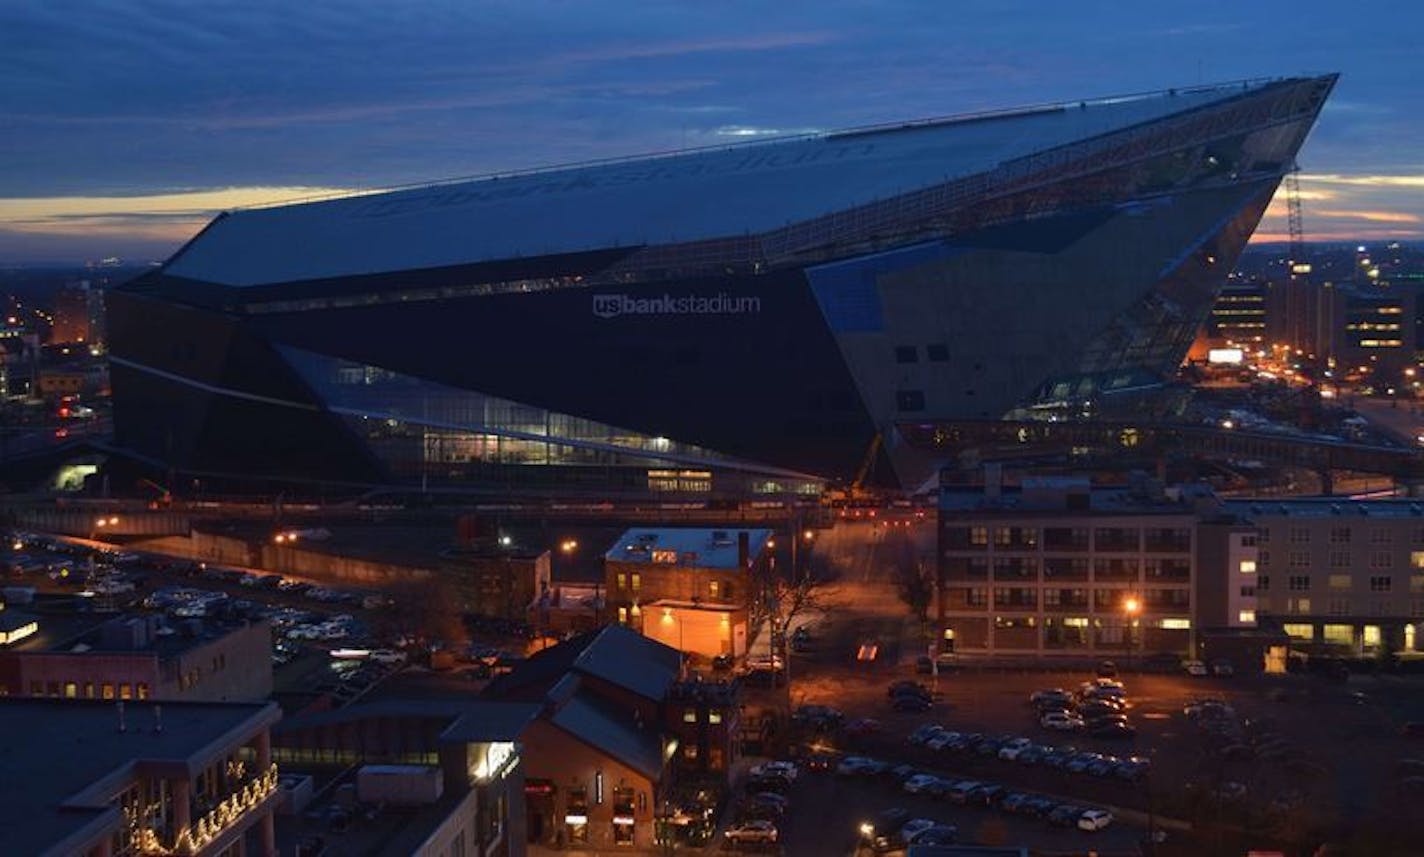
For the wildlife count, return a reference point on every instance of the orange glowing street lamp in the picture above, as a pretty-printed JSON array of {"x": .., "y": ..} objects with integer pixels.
[{"x": 1131, "y": 607}]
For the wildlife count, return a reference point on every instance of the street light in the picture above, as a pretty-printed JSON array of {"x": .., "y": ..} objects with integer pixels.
[
  {"x": 568, "y": 545},
  {"x": 1131, "y": 607}
]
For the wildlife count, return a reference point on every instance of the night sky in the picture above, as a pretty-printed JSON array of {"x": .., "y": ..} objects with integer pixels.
[{"x": 125, "y": 125}]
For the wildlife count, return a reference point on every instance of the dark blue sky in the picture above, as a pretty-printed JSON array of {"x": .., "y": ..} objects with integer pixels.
[{"x": 125, "y": 124}]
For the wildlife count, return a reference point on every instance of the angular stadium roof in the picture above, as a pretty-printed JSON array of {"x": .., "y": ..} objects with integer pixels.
[{"x": 697, "y": 195}]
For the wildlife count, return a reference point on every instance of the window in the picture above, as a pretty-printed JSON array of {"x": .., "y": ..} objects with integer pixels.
[
  {"x": 1379, "y": 536},
  {"x": 1380, "y": 559},
  {"x": 1299, "y": 631},
  {"x": 978, "y": 535},
  {"x": 1246, "y": 617},
  {"x": 1339, "y": 559},
  {"x": 125, "y": 691},
  {"x": 88, "y": 690},
  {"x": 52, "y": 688},
  {"x": 1248, "y": 541},
  {"x": 1370, "y": 635},
  {"x": 1339, "y": 535},
  {"x": 910, "y": 400},
  {"x": 1298, "y": 583},
  {"x": 1416, "y": 583},
  {"x": 622, "y": 616},
  {"x": 689, "y": 715},
  {"x": 108, "y": 692},
  {"x": 637, "y": 581},
  {"x": 1248, "y": 566},
  {"x": 1264, "y": 557},
  {"x": 977, "y": 596},
  {"x": 1416, "y": 559},
  {"x": 1299, "y": 535},
  {"x": 906, "y": 354},
  {"x": 712, "y": 587},
  {"x": 1381, "y": 583},
  {"x": 1339, "y": 635},
  {"x": 1263, "y": 583},
  {"x": 937, "y": 352},
  {"x": 71, "y": 690},
  {"x": 1339, "y": 581},
  {"x": 727, "y": 590},
  {"x": 714, "y": 716},
  {"x": 1176, "y": 624},
  {"x": 1338, "y": 607},
  {"x": 1299, "y": 559},
  {"x": 1298, "y": 605},
  {"x": 622, "y": 580},
  {"x": 142, "y": 690},
  {"x": 1248, "y": 592}
]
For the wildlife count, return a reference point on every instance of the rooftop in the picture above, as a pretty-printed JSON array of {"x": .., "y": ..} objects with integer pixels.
[
  {"x": 613, "y": 731},
  {"x": 613, "y": 653},
  {"x": 742, "y": 189},
  {"x": 80, "y": 633},
  {"x": 1059, "y": 495},
  {"x": 688, "y": 547},
  {"x": 1326, "y": 507},
  {"x": 57, "y": 749}
]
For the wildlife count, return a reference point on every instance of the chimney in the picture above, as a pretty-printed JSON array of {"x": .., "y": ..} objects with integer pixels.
[
  {"x": 157, "y": 719},
  {"x": 744, "y": 549},
  {"x": 122, "y": 726}
]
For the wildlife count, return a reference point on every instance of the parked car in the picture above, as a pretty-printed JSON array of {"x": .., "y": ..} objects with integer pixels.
[
  {"x": 1107, "y": 669},
  {"x": 1094, "y": 819},
  {"x": 820, "y": 763},
  {"x": 914, "y": 827},
  {"x": 1065, "y": 815},
  {"x": 777, "y": 768},
  {"x": 920, "y": 783},
  {"x": 907, "y": 686},
  {"x": 883, "y": 832},
  {"x": 960, "y": 791},
  {"x": 910, "y": 702},
  {"x": 940, "y": 834},
  {"x": 1223, "y": 668},
  {"x": 941, "y": 740},
  {"x": 1011, "y": 749},
  {"x": 1114, "y": 731},
  {"x": 1195, "y": 668},
  {"x": 755, "y": 830},
  {"x": 860, "y": 766},
  {"x": 924, "y": 733},
  {"x": 1061, "y": 721}
]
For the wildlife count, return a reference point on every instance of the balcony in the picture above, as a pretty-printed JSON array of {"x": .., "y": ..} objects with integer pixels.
[{"x": 241, "y": 804}]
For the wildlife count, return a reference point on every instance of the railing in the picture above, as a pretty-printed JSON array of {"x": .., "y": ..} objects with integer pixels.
[{"x": 216, "y": 821}]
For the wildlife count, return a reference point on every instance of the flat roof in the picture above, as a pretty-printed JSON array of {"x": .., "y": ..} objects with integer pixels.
[
  {"x": 740, "y": 190},
  {"x": 55, "y": 749},
  {"x": 695, "y": 547},
  {"x": 1048, "y": 500},
  {"x": 1327, "y": 507},
  {"x": 66, "y": 633}
]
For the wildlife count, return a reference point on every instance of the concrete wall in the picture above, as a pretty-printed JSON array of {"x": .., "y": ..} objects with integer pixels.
[{"x": 314, "y": 565}]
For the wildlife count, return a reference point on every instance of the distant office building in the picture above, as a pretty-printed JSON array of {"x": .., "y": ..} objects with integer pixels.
[
  {"x": 741, "y": 321},
  {"x": 1375, "y": 331},
  {"x": 72, "y": 315},
  {"x": 503, "y": 582},
  {"x": 99, "y": 779},
  {"x": 685, "y": 587},
  {"x": 136, "y": 658},
  {"x": 1340, "y": 576},
  {"x": 1055, "y": 567},
  {"x": 1239, "y": 316}
]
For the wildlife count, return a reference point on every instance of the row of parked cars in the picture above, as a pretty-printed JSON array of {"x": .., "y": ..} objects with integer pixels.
[
  {"x": 1098, "y": 708},
  {"x": 971, "y": 792},
  {"x": 1025, "y": 751}
]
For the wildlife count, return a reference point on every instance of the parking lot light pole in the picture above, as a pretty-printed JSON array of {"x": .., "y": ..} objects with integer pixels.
[{"x": 1131, "y": 607}]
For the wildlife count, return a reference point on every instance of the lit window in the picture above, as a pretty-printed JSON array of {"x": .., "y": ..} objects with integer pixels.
[
  {"x": 1339, "y": 581},
  {"x": 1372, "y": 635},
  {"x": 622, "y": 581},
  {"x": 71, "y": 690},
  {"x": 712, "y": 588},
  {"x": 1248, "y": 566},
  {"x": 689, "y": 715},
  {"x": 1176, "y": 624},
  {"x": 622, "y": 617},
  {"x": 1339, "y": 635},
  {"x": 125, "y": 691},
  {"x": 1246, "y": 617},
  {"x": 142, "y": 690},
  {"x": 1299, "y": 631},
  {"x": 637, "y": 581},
  {"x": 108, "y": 691},
  {"x": 714, "y": 716}
]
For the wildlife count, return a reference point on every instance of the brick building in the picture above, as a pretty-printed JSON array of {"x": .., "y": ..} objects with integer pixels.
[
  {"x": 138, "y": 657},
  {"x": 686, "y": 587}
]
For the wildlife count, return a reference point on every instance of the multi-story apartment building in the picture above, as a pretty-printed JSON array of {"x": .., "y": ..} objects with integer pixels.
[
  {"x": 1337, "y": 575},
  {"x": 101, "y": 780},
  {"x": 1055, "y": 567}
]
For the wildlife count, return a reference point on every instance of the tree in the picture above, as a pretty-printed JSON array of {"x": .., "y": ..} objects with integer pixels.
[{"x": 781, "y": 601}]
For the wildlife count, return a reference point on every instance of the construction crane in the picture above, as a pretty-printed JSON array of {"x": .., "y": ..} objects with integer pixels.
[{"x": 1298, "y": 266}]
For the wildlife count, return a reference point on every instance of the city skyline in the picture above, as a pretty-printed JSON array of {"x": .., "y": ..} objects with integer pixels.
[{"x": 134, "y": 123}]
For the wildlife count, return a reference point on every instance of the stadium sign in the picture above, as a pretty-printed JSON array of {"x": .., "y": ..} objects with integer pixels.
[{"x": 613, "y": 306}]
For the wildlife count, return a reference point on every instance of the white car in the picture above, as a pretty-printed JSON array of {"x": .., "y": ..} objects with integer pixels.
[
  {"x": 1061, "y": 721},
  {"x": 752, "y": 831},
  {"x": 1195, "y": 668},
  {"x": 388, "y": 656},
  {"x": 1094, "y": 819},
  {"x": 776, "y": 769},
  {"x": 915, "y": 826},
  {"x": 1011, "y": 750},
  {"x": 919, "y": 783}
]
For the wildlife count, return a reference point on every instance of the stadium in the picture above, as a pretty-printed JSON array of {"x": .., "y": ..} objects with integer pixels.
[{"x": 750, "y": 320}]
